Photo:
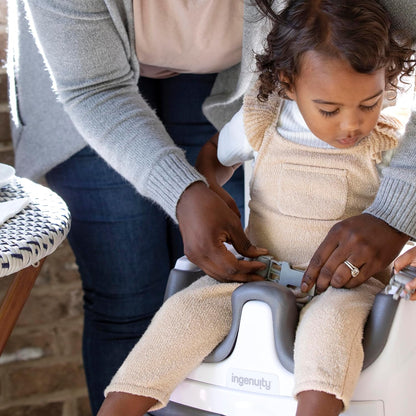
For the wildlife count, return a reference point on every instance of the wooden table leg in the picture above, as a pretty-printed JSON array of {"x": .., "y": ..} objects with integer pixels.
[{"x": 14, "y": 300}]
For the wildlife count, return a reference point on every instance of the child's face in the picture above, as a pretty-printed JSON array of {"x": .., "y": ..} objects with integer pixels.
[{"x": 339, "y": 105}]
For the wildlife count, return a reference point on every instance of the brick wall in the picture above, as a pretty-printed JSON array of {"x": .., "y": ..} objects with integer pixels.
[{"x": 41, "y": 370}]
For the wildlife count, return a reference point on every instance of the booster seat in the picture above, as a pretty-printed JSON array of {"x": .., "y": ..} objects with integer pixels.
[{"x": 251, "y": 372}]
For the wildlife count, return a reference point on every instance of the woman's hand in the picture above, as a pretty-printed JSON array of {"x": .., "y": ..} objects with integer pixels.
[
  {"x": 227, "y": 198},
  {"x": 206, "y": 222},
  {"x": 367, "y": 242}
]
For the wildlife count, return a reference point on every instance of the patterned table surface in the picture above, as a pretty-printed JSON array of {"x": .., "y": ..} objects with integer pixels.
[{"x": 36, "y": 231}]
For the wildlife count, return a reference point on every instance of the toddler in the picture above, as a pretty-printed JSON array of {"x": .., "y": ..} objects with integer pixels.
[{"x": 313, "y": 125}]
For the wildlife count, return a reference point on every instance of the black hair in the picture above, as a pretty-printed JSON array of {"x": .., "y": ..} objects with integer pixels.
[{"x": 358, "y": 31}]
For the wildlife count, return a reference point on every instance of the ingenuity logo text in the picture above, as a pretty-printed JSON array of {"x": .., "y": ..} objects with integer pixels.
[
  {"x": 253, "y": 381},
  {"x": 261, "y": 383}
]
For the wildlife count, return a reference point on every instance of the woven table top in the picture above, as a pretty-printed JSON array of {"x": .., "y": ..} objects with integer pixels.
[{"x": 36, "y": 231}]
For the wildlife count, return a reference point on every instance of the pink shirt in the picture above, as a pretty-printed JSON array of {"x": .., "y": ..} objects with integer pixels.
[{"x": 187, "y": 36}]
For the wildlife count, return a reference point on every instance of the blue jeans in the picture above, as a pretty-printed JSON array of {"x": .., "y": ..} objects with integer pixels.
[{"x": 124, "y": 245}]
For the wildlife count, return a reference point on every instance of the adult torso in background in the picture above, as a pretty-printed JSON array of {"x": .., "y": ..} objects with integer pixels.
[{"x": 187, "y": 36}]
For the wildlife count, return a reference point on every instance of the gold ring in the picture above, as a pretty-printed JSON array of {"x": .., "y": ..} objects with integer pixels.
[{"x": 354, "y": 270}]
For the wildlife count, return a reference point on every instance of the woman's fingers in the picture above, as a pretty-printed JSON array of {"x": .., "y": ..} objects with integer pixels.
[
  {"x": 207, "y": 223},
  {"x": 366, "y": 242}
]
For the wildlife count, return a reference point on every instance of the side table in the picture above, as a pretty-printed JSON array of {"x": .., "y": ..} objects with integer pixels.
[{"x": 25, "y": 241}]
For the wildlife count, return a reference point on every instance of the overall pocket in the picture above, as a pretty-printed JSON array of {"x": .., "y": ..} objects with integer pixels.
[{"x": 312, "y": 192}]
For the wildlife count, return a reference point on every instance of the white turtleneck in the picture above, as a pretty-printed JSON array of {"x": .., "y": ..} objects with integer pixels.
[{"x": 233, "y": 146}]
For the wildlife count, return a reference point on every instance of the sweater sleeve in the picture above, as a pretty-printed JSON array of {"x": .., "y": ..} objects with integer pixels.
[
  {"x": 402, "y": 14},
  {"x": 92, "y": 68},
  {"x": 395, "y": 202}
]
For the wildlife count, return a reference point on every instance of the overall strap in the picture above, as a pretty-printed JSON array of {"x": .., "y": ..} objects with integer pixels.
[{"x": 258, "y": 115}]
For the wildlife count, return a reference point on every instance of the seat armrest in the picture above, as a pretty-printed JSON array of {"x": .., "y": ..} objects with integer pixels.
[
  {"x": 285, "y": 315},
  {"x": 377, "y": 327}
]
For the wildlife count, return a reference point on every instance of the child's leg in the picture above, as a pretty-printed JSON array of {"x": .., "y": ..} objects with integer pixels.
[
  {"x": 125, "y": 404},
  {"x": 313, "y": 403},
  {"x": 185, "y": 330},
  {"x": 328, "y": 347}
]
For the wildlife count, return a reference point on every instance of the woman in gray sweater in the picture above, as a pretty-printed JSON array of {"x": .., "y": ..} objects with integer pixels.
[{"x": 110, "y": 138}]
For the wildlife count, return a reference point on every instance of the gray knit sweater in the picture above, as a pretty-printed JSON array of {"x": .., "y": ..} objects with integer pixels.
[{"x": 88, "y": 48}]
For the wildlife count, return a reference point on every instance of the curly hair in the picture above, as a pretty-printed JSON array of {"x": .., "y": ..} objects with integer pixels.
[{"x": 358, "y": 31}]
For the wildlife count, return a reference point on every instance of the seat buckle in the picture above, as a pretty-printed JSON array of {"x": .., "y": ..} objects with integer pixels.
[
  {"x": 398, "y": 281},
  {"x": 282, "y": 273}
]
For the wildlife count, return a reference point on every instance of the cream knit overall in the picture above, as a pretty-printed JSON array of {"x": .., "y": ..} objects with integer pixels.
[{"x": 297, "y": 194}]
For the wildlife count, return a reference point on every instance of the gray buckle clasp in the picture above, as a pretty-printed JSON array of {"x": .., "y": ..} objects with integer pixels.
[
  {"x": 398, "y": 281},
  {"x": 282, "y": 272}
]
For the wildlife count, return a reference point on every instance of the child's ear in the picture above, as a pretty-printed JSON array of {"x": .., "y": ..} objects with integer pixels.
[{"x": 289, "y": 88}]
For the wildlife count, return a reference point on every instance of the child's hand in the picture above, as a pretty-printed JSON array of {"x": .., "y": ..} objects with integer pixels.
[{"x": 408, "y": 258}]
